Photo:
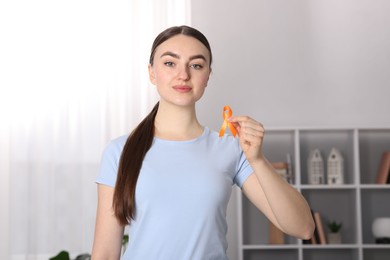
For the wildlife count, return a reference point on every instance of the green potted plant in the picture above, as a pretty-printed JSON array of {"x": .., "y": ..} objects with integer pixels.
[
  {"x": 125, "y": 241},
  {"x": 334, "y": 237}
]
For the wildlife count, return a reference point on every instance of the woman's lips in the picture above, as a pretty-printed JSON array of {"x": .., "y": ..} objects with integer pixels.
[{"x": 182, "y": 89}]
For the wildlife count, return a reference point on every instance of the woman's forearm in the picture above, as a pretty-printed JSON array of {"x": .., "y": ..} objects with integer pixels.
[{"x": 290, "y": 209}]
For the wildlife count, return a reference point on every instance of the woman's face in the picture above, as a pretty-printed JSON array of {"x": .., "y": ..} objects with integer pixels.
[{"x": 180, "y": 70}]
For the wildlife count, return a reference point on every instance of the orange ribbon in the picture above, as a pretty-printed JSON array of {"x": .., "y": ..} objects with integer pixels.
[{"x": 227, "y": 113}]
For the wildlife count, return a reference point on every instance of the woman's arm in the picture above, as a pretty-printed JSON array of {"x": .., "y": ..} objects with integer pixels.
[
  {"x": 283, "y": 205},
  {"x": 108, "y": 232}
]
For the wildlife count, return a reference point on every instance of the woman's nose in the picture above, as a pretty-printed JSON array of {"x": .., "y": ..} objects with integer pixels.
[{"x": 184, "y": 73}]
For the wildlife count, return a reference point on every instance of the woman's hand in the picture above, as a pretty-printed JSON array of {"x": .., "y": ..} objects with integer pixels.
[{"x": 251, "y": 134}]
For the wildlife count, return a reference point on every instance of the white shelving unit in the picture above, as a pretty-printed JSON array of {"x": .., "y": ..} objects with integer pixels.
[{"x": 356, "y": 203}]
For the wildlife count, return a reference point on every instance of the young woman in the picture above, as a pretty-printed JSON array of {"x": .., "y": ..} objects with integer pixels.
[{"x": 171, "y": 179}]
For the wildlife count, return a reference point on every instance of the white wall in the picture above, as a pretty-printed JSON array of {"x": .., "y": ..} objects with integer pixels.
[
  {"x": 294, "y": 63},
  {"x": 298, "y": 63}
]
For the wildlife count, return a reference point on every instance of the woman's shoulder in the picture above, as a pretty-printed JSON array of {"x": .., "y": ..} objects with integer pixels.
[
  {"x": 115, "y": 146},
  {"x": 120, "y": 140}
]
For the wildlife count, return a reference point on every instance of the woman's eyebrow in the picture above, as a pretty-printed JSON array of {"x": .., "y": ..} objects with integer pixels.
[
  {"x": 176, "y": 56},
  {"x": 169, "y": 53},
  {"x": 199, "y": 56}
]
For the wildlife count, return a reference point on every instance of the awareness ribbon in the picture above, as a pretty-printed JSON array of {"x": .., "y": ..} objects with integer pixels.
[{"x": 227, "y": 112}]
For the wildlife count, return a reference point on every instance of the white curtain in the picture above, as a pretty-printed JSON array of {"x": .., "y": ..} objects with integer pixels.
[{"x": 73, "y": 75}]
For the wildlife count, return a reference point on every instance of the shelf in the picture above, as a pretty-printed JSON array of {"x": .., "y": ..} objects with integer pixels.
[
  {"x": 331, "y": 246},
  {"x": 378, "y": 253},
  {"x": 376, "y": 246},
  {"x": 336, "y": 204},
  {"x": 375, "y": 204},
  {"x": 331, "y": 253},
  {"x": 269, "y": 247},
  {"x": 328, "y": 187},
  {"x": 356, "y": 203},
  {"x": 375, "y": 186},
  {"x": 325, "y": 140},
  {"x": 372, "y": 143}
]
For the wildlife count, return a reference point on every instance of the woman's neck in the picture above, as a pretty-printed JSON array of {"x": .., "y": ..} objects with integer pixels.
[{"x": 177, "y": 123}]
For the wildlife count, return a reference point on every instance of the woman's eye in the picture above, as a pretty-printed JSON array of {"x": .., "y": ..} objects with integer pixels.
[
  {"x": 196, "y": 66},
  {"x": 169, "y": 63}
]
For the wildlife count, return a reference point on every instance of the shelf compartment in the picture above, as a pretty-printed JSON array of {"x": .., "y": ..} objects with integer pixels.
[
  {"x": 256, "y": 226},
  {"x": 338, "y": 205},
  {"x": 376, "y": 254},
  {"x": 325, "y": 140},
  {"x": 330, "y": 253},
  {"x": 285, "y": 254},
  {"x": 374, "y": 204},
  {"x": 278, "y": 144},
  {"x": 372, "y": 143}
]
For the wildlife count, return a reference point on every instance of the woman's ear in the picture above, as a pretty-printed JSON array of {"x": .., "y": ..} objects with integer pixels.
[
  {"x": 208, "y": 78},
  {"x": 152, "y": 77}
]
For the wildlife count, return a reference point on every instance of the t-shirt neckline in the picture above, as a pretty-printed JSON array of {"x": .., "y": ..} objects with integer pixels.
[{"x": 204, "y": 133}]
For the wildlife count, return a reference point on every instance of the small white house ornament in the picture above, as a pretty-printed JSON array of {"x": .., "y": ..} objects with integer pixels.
[
  {"x": 335, "y": 167},
  {"x": 381, "y": 230},
  {"x": 315, "y": 167}
]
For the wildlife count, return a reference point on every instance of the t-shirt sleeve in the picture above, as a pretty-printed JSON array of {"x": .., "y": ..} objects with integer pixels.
[
  {"x": 244, "y": 170},
  {"x": 109, "y": 163}
]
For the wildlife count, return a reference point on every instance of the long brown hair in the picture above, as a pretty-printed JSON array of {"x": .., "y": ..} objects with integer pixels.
[{"x": 141, "y": 139}]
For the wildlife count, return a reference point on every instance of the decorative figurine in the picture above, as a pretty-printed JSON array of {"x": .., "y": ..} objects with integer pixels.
[
  {"x": 335, "y": 167},
  {"x": 315, "y": 166}
]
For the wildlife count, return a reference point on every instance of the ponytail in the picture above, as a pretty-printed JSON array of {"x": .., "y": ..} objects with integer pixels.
[{"x": 133, "y": 154}]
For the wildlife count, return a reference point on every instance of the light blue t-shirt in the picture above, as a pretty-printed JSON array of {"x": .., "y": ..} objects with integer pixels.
[{"x": 181, "y": 196}]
